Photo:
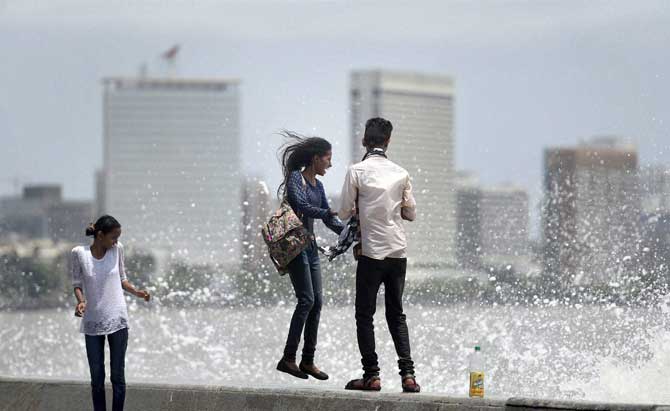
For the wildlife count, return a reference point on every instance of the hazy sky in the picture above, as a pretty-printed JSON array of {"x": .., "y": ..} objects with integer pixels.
[{"x": 528, "y": 75}]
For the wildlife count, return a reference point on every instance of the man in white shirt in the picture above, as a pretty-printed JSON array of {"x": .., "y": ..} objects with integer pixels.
[{"x": 381, "y": 193}]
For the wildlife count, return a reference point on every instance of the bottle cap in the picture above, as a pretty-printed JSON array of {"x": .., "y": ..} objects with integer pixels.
[{"x": 477, "y": 348}]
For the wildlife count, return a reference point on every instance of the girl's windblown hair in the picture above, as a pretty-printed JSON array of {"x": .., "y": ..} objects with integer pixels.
[{"x": 297, "y": 153}]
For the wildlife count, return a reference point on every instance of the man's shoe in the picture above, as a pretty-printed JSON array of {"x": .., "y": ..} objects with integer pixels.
[
  {"x": 365, "y": 384},
  {"x": 409, "y": 384}
]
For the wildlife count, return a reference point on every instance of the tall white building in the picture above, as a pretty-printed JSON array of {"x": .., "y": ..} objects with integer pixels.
[
  {"x": 421, "y": 109},
  {"x": 172, "y": 165}
]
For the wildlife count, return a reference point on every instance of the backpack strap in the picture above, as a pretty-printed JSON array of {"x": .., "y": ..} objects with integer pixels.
[{"x": 281, "y": 270}]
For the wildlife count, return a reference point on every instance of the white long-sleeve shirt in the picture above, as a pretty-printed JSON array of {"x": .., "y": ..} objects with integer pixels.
[
  {"x": 106, "y": 310},
  {"x": 383, "y": 188}
]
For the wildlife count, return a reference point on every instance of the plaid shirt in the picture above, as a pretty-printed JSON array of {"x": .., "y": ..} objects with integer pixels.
[{"x": 310, "y": 203}]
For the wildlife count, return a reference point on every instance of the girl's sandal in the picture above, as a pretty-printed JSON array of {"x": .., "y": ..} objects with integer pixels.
[
  {"x": 296, "y": 372},
  {"x": 311, "y": 369}
]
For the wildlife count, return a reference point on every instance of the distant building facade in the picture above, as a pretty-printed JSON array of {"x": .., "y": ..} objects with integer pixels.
[
  {"x": 492, "y": 225},
  {"x": 591, "y": 211},
  {"x": 41, "y": 213}
]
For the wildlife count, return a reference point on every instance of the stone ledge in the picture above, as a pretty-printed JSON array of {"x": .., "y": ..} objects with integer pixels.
[{"x": 56, "y": 395}]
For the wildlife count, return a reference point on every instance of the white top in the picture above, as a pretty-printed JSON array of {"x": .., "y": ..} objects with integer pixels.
[
  {"x": 383, "y": 188},
  {"x": 106, "y": 310}
]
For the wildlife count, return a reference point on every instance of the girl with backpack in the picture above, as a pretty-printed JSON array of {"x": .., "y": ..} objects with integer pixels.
[{"x": 302, "y": 160}]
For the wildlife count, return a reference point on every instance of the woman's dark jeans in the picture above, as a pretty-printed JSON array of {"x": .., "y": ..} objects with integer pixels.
[
  {"x": 305, "y": 273},
  {"x": 95, "y": 351}
]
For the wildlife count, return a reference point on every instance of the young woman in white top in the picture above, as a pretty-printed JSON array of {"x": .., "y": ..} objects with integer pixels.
[{"x": 99, "y": 279}]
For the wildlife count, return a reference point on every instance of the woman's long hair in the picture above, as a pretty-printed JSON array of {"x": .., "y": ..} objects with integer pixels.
[{"x": 297, "y": 152}]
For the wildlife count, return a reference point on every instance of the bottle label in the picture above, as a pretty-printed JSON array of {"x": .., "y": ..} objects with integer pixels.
[{"x": 477, "y": 384}]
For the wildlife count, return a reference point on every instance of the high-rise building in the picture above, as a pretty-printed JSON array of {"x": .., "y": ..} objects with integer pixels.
[
  {"x": 591, "y": 211},
  {"x": 171, "y": 171},
  {"x": 421, "y": 109}
]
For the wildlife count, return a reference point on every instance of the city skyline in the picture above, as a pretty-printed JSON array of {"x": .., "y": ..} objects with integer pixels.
[
  {"x": 658, "y": 167},
  {"x": 528, "y": 75}
]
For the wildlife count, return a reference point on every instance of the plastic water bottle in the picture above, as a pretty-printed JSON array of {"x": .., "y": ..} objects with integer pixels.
[{"x": 477, "y": 373}]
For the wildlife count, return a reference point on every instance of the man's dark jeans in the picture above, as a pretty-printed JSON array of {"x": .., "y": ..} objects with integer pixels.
[
  {"x": 305, "y": 273},
  {"x": 95, "y": 351},
  {"x": 370, "y": 274}
]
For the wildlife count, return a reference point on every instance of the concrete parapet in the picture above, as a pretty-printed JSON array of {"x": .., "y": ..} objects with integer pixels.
[{"x": 52, "y": 395}]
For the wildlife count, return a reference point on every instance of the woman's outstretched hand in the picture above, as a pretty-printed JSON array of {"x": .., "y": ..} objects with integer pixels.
[
  {"x": 137, "y": 293},
  {"x": 143, "y": 294},
  {"x": 80, "y": 309}
]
